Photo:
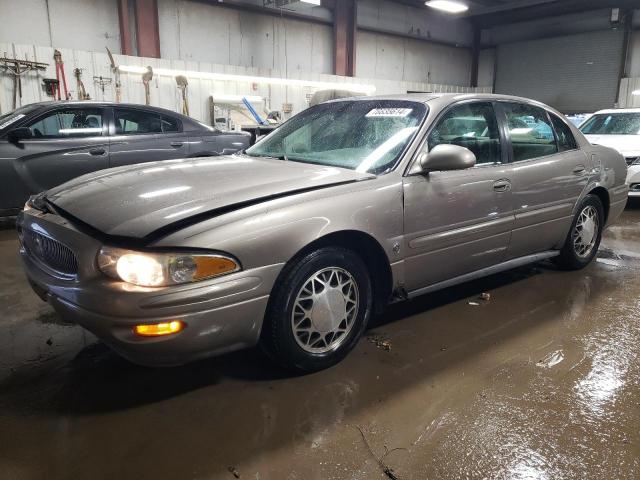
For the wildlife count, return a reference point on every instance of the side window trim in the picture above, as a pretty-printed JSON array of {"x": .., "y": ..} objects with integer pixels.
[{"x": 425, "y": 138}]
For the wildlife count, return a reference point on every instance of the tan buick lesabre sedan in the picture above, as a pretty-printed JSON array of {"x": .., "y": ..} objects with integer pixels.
[{"x": 294, "y": 243}]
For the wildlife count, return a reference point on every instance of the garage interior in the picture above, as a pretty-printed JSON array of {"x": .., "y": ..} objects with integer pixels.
[{"x": 527, "y": 374}]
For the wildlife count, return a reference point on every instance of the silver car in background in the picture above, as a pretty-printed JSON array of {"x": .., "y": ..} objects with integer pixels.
[{"x": 295, "y": 243}]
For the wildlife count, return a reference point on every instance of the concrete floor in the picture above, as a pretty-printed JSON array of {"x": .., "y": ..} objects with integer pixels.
[{"x": 541, "y": 381}]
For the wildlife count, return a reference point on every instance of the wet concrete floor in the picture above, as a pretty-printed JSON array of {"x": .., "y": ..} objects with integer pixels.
[{"x": 540, "y": 381}]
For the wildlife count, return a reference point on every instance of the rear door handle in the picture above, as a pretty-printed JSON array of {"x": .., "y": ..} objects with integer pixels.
[
  {"x": 502, "y": 185},
  {"x": 177, "y": 144},
  {"x": 579, "y": 170},
  {"x": 97, "y": 151}
]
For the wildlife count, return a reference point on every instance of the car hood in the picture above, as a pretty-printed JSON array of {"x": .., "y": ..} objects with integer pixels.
[
  {"x": 627, "y": 145},
  {"x": 136, "y": 201}
]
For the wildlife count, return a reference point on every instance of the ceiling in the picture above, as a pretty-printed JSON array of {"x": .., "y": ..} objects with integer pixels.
[{"x": 494, "y": 12}]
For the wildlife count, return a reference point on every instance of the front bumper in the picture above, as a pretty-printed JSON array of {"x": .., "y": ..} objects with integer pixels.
[
  {"x": 220, "y": 315},
  {"x": 633, "y": 180}
]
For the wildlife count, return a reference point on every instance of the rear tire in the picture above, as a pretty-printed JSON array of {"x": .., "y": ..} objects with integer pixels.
[
  {"x": 318, "y": 310},
  {"x": 583, "y": 239}
]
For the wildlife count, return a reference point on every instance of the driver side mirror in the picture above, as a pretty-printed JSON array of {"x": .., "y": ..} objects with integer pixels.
[
  {"x": 446, "y": 157},
  {"x": 17, "y": 134}
]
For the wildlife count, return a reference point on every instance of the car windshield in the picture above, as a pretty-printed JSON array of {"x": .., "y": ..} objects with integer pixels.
[
  {"x": 363, "y": 135},
  {"x": 8, "y": 119},
  {"x": 627, "y": 123}
]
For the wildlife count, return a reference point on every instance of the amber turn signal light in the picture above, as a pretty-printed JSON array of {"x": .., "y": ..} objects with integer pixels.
[{"x": 159, "y": 329}]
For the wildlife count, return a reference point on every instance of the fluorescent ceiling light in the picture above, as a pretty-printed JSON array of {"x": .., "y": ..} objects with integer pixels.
[
  {"x": 448, "y": 6},
  {"x": 312, "y": 2},
  {"x": 226, "y": 77},
  {"x": 225, "y": 98}
]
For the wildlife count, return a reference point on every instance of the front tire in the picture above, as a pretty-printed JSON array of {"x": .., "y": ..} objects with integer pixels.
[
  {"x": 318, "y": 310},
  {"x": 583, "y": 239}
]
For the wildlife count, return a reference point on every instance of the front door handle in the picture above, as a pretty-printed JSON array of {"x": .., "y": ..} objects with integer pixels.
[
  {"x": 579, "y": 170},
  {"x": 97, "y": 151},
  {"x": 177, "y": 144},
  {"x": 502, "y": 185}
]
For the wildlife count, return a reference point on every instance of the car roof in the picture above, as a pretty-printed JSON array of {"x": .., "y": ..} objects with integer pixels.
[
  {"x": 189, "y": 121},
  {"x": 619, "y": 110},
  {"x": 443, "y": 98},
  {"x": 440, "y": 101},
  {"x": 75, "y": 103}
]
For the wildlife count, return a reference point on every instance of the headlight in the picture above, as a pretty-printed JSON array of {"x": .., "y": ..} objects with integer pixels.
[{"x": 150, "y": 269}]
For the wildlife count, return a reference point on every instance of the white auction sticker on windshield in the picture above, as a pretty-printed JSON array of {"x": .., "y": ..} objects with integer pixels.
[
  {"x": 10, "y": 121},
  {"x": 390, "y": 112}
]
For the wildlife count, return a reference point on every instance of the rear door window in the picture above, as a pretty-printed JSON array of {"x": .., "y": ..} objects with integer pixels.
[
  {"x": 136, "y": 122},
  {"x": 473, "y": 126},
  {"x": 170, "y": 124},
  {"x": 530, "y": 131},
  {"x": 69, "y": 123}
]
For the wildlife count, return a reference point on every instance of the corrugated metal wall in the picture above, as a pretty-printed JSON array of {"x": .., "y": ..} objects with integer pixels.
[
  {"x": 573, "y": 73},
  {"x": 627, "y": 99}
]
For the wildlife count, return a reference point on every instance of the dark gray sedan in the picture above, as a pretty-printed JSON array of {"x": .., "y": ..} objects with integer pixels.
[{"x": 45, "y": 144}]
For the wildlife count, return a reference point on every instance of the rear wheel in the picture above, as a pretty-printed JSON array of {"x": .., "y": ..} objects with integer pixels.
[
  {"x": 583, "y": 239},
  {"x": 318, "y": 310}
]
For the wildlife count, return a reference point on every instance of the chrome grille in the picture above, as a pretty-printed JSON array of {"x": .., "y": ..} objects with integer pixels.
[{"x": 49, "y": 252}]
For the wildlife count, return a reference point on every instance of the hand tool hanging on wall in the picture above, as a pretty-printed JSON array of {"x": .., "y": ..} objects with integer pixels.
[
  {"x": 57, "y": 56},
  {"x": 50, "y": 85},
  {"x": 116, "y": 74},
  {"x": 182, "y": 82},
  {"x": 102, "y": 82},
  {"x": 17, "y": 68},
  {"x": 146, "y": 80},
  {"x": 82, "y": 93}
]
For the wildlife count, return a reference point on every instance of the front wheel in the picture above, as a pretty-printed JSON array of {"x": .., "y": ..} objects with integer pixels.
[
  {"x": 583, "y": 239},
  {"x": 318, "y": 310}
]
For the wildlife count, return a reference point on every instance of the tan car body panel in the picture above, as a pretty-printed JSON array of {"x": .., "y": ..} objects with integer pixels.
[{"x": 435, "y": 230}]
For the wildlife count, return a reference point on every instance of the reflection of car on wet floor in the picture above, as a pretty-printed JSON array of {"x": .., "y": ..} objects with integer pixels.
[{"x": 619, "y": 129}]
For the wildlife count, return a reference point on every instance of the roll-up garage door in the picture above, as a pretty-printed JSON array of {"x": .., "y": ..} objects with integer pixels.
[{"x": 574, "y": 73}]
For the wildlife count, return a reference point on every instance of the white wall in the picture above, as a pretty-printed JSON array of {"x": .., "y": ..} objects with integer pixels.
[
  {"x": 626, "y": 98},
  {"x": 395, "y": 58},
  {"x": 164, "y": 92},
  {"x": 199, "y": 32},
  {"x": 634, "y": 53},
  {"x": 89, "y": 24}
]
